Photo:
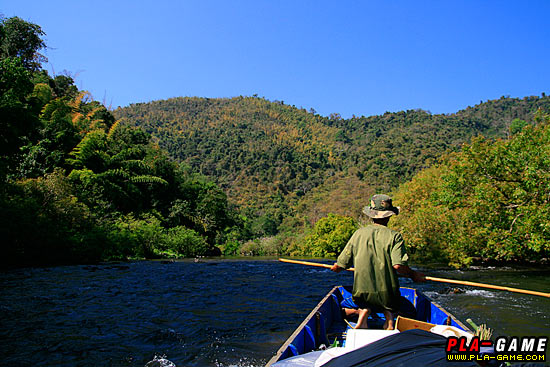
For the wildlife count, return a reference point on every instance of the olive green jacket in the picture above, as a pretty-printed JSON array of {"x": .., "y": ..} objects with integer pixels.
[{"x": 372, "y": 251}]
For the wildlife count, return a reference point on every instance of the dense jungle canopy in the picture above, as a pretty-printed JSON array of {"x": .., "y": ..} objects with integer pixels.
[{"x": 77, "y": 186}]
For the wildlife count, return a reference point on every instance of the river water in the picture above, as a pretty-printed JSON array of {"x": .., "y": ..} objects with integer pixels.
[{"x": 211, "y": 313}]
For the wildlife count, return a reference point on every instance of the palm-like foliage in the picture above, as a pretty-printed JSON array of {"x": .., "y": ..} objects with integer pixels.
[{"x": 108, "y": 163}]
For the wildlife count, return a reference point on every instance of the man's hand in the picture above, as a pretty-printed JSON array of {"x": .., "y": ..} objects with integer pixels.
[
  {"x": 418, "y": 277},
  {"x": 335, "y": 268}
]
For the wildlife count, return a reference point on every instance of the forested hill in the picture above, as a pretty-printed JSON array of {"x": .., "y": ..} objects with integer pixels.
[{"x": 276, "y": 160}]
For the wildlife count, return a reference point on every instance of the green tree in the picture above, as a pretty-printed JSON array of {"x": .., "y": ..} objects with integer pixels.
[
  {"x": 516, "y": 126},
  {"x": 23, "y": 40},
  {"x": 113, "y": 169},
  {"x": 329, "y": 236},
  {"x": 203, "y": 207},
  {"x": 17, "y": 121},
  {"x": 488, "y": 201},
  {"x": 43, "y": 222},
  {"x": 186, "y": 242}
]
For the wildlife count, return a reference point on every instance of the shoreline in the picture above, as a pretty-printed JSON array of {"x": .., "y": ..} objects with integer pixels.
[{"x": 478, "y": 265}]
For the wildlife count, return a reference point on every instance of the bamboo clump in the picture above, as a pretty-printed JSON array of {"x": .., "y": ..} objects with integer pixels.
[{"x": 484, "y": 332}]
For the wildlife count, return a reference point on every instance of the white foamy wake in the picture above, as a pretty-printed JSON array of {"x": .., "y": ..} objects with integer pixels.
[
  {"x": 160, "y": 362},
  {"x": 480, "y": 293}
]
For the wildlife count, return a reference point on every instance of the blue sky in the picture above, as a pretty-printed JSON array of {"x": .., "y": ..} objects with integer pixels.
[{"x": 346, "y": 57}]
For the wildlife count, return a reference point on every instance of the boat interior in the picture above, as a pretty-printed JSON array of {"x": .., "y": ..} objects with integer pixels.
[{"x": 326, "y": 326}]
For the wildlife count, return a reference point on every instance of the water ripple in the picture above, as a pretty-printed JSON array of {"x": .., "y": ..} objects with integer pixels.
[{"x": 212, "y": 313}]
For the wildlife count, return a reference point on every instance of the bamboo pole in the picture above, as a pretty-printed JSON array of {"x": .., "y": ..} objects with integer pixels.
[
  {"x": 434, "y": 279},
  {"x": 490, "y": 286},
  {"x": 309, "y": 263}
]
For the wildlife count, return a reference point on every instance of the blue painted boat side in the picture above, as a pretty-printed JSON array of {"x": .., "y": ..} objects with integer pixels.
[{"x": 429, "y": 311}]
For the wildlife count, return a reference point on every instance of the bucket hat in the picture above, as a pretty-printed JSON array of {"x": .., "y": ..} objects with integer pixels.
[{"x": 380, "y": 207}]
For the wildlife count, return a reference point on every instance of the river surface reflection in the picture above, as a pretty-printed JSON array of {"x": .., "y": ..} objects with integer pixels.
[{"x": 211, "y": 313}]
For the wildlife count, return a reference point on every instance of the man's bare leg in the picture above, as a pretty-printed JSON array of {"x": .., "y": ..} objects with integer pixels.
[
  {"x": 388, "y": 325},
  {"x": 363, "y": 316},
  {"x": 350, "y": 312}
]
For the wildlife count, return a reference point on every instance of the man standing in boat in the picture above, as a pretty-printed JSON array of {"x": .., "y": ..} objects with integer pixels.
[{"x": 378, "y": 254}]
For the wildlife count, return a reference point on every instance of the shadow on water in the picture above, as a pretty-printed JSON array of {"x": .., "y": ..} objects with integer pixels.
[{"x": 210, "y": 313}]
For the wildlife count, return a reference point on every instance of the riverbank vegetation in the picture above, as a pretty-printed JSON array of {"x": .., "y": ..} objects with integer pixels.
[
  {"x": 491, "y": 200},
  {"x": 247, "y": 176},
  {"x": 77, "y": 186}
]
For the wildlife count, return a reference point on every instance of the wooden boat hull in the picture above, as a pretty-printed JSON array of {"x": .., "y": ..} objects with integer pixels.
[{"x": 324, "y": 325}]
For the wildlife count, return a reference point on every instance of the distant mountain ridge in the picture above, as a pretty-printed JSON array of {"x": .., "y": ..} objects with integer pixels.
[{"x": 277, "y": 161}]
